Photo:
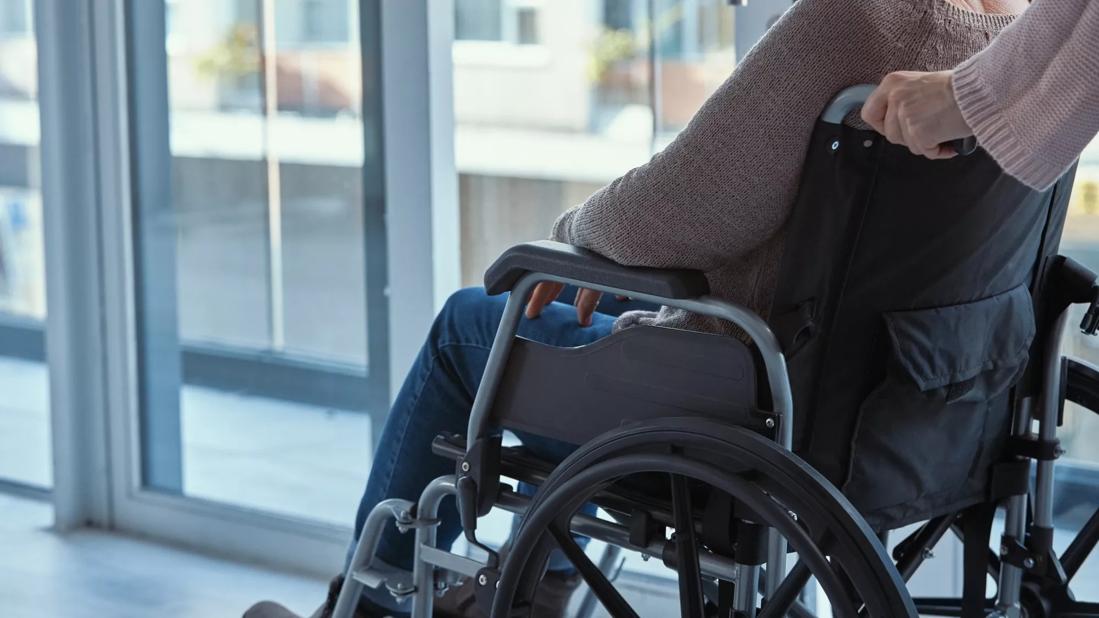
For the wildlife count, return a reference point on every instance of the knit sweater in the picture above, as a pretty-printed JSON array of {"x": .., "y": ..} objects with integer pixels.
[
  {"x": 718, "y": 197},
  {"x": 1032, "y": 97}
]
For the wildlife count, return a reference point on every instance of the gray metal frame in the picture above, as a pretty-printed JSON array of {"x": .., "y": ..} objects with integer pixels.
[
  {"x": 1009, "y": 585},
  {"x": 361, "y": 570}
]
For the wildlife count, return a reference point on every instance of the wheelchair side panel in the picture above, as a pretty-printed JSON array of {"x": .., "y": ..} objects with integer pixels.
[{"x": 639, "y": 373}]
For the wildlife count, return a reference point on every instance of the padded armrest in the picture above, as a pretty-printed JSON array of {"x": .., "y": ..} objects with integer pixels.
[{"x": 554, "y": 258}]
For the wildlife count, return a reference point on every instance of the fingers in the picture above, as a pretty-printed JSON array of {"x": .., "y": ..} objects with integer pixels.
[
  {"x": 873, "y": 111},
  {"x": 917, "y": 110},
  {"x": 544, "y": 293},
  {"x": 892, "y": 125},
  {"x": 912, "y": 137},
  {"x": 943, "y": 152},
  {"x": 586, "y": 301}
]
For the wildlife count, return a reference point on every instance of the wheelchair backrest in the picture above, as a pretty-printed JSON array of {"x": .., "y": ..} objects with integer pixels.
[{"x": 906, "y": 308}]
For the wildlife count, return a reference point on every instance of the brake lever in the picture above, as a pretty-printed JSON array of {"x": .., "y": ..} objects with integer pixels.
[{"x": 1090, "y": 324}]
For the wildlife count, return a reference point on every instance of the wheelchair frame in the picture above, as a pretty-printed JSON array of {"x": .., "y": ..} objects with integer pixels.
[
  {"x": 428, "y": 557},
  {"x": 435, "y": 569}
]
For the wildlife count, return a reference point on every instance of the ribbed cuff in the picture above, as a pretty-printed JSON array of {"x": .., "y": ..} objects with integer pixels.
[{"x": 982, "y": 113}]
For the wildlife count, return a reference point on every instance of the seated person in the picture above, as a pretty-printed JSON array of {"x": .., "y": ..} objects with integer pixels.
[{"x": 715, "y": 200}]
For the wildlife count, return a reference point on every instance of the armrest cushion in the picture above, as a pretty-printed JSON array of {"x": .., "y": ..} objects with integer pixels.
[{"x": 554, "y": 258}]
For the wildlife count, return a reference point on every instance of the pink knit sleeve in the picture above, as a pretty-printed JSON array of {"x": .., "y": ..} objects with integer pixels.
[{"x": 1032, "y": 97}]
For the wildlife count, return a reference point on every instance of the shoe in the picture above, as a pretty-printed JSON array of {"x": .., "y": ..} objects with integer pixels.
[
  {"x": 552, "y": 600},
  {"x": 270, "y": 609}
]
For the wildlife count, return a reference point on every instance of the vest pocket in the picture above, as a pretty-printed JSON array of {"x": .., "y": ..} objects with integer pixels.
[{"x": 922, "y": 430}]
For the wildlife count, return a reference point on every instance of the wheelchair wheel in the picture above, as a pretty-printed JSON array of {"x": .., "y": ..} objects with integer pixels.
[{"x": 693, "y": 456}]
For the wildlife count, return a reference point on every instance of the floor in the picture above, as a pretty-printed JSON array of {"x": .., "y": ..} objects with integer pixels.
[{"x": 91, "y": 574}]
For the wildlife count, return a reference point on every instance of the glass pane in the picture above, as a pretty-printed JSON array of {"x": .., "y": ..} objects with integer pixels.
[
  {"x": 478, "y": 20},
  {"x": 25, "y": 454},
  {"x": 1077, "y": 490},
  {"x": 694, "y": 43},
  {"x": 253, "y": 278},
  {"x": 541, "y": 127},
  {"x": 527, "y": 26}
]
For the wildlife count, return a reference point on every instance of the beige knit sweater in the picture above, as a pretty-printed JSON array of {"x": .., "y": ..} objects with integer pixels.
[{"x": 718, "y": 197}]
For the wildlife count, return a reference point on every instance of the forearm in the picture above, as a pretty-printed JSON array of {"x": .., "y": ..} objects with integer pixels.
[{"x": 1032, "y": 97}]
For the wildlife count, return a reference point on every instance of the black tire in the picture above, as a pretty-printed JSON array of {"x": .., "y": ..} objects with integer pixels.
[{"x": 854, "y": 568}]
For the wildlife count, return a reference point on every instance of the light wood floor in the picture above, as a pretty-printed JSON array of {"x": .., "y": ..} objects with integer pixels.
[{"x": 97, "y": 574}]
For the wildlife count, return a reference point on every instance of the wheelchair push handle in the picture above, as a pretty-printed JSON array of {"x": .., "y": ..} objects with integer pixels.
[{"x": 852, "y": 98}]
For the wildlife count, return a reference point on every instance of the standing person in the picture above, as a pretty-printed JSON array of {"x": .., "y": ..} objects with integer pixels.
[{"x": 1031, "y": 98}]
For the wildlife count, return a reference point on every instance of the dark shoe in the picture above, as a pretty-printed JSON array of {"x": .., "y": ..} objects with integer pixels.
[{"x": 270, "y": 609}]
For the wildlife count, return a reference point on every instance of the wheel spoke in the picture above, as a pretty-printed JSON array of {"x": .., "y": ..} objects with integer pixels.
[
  {"x": 853, "y": 556},
  {"x": 787, "y": 592},
  {"x": 686, "y": 550},
  {"x": 602, "y": 587}
]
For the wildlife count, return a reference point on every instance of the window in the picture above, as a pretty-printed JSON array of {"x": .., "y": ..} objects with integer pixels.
[
  {"x": 620, "y": 14},
  {"x": 526, "y": 31},
  {"x": 507, "y": 21},
  {"x": 254, "y": 354},
  {"x": 25, "y": 450},
  {"x": 478, "y": 20},
  {"x": 325, "y": 21},
  {"x": 535, "y": 139},
  {"x": 15, "y": 18}
]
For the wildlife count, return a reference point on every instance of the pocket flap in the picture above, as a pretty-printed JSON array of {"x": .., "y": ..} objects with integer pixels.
[{"x": 948, "y": 345}]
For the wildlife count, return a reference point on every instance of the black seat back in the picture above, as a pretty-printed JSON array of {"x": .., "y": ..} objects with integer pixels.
[{"x": 905, "y": 309}]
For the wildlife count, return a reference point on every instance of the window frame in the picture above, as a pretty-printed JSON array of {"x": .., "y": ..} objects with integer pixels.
[{"x": 93, "y": 346}]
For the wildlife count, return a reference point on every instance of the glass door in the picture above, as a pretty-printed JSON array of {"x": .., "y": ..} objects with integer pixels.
[
  {"x": 25, "y": 450},
  {"x": 253, "y": 228}
]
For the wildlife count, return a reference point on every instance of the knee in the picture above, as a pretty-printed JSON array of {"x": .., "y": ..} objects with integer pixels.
[
  {"x": 467, "y": 311},
  {"x": 463, "y": 303}
]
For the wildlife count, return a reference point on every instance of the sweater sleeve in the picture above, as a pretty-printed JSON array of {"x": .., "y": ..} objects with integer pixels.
[
  {"x": 1032, "y": 96},
  {"x": 723, "y": 187}
]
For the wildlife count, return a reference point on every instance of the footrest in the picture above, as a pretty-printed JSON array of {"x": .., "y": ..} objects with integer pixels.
[{"x": 397, "y": 581}]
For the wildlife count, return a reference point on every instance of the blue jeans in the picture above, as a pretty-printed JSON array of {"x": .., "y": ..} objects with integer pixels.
[{"x": 437, "y": 396}]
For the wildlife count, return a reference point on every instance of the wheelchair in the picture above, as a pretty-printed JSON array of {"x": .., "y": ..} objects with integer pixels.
[{"x": 916, "y": 325}]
